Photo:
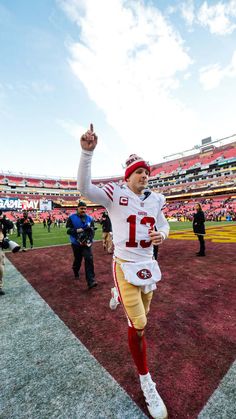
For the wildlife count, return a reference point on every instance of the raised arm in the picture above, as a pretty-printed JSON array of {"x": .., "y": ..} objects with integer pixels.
[{"x": 88, "y": 143}]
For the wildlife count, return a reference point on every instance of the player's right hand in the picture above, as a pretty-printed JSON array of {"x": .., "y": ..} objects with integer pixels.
[{"x": 88, "y": 141}]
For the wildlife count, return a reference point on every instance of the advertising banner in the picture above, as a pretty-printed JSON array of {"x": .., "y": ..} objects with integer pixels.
[
  {"x": 45, "y": 205},
  {"x": 18, "y": 204}
]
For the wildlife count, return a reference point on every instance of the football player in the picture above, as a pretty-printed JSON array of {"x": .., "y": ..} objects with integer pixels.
[{"x": 138, "y": 223}]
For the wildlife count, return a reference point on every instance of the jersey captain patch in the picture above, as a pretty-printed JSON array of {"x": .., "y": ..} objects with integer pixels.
[{"x": 123, "y": 200}]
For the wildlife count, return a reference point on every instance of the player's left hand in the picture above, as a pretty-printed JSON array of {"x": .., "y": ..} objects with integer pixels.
[{"x": 156, "y": 237}]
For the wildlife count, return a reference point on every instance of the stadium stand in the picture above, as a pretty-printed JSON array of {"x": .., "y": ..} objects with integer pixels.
[{"x": 207, "y": 176}]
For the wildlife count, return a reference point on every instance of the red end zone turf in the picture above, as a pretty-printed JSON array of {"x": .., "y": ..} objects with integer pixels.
[{"x": 190, "y": 334}]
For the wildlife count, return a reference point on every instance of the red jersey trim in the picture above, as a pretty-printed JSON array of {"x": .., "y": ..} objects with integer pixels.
[{"x": 109, "y": 189}]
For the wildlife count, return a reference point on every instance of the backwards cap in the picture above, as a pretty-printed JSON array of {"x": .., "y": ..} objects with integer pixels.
[{"x": 134, "y": 162}]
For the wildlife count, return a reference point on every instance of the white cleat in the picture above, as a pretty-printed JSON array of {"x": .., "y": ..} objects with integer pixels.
[
  {"x": 155, "y": 404},
  {"x": 114, "y": 301}
]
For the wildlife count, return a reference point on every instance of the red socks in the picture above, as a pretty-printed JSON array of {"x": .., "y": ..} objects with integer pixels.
[{"x": 138, "y": 349}]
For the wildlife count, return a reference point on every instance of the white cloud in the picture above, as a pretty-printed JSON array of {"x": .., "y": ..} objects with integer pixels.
[
  {"x": 130, "y": 59},
  {"x": 219, "y": 18},
  {"x": 211, "y": 76},
  {"x": 187, "y": 12},
  {"x": 73, "y": 8},
  {"x": 72, "y": 128}
]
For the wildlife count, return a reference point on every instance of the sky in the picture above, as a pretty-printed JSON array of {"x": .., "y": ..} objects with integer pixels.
[{"x": 154, "y": 77}]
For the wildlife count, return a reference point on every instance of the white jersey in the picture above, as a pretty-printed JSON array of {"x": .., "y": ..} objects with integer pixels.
[{"x": 131, "y": 217}]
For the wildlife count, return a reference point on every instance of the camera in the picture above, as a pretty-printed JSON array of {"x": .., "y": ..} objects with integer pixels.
[
  {"x": 9, "y": 244},
  {"x": 85, "y": 238}
]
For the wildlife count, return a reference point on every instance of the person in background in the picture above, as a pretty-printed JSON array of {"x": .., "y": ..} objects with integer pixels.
[
  {"x": 155, "y": 249},
  {"x": 106, "y": 232},
  {"x": 7, "y": 224},
  {"x": 2, "y": 263},
  {"x": 80, "y": 227},
  {"x": 199, "y": 228},
  {"x": 49, "y": 223},
  {"x": 134, "y": 212},
  {"x": 18, "y": 227},
  {"x": 26, "y": 223},
  {"x": 2, "y": 260},
  {"x": 5, "y": 243}
]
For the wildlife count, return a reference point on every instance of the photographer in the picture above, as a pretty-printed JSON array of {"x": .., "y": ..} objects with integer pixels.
[
  {"x": 6, "y": 224},
  {"x": 80, "y": 227},
  {"x": 5, "y": 243}
]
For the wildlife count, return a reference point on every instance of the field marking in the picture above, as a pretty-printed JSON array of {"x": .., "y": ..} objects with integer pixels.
[{"x": 217, "y": 234}]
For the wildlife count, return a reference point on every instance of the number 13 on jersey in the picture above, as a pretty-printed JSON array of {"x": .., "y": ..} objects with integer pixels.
[{"x": 132, "y": 220}]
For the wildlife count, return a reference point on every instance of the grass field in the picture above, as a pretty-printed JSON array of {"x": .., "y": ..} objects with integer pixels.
[{"x": 58, "y": 236}]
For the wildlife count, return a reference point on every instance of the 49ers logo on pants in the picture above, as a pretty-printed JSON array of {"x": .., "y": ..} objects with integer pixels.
[{"x": 144, "y": 274}]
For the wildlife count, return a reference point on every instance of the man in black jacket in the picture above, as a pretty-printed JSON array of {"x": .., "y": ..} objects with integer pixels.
[
  {"x": 18, "y": 226},
  {"x": 2, "y": 235},
  {"x": 26, "y": 227},
  {"x": 199, "y": 228},
  {"x": 106, "y": 232},
  {"x": 5, "y": 243},
  {"x": 6, "y": 224}
]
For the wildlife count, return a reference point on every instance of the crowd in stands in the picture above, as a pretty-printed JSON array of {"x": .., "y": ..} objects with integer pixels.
[
  {"x": 176, "y": 179},
  {"x": 215, "y": 209},
  {"x": 218, "y": 156},
  {"x": 198, "y": 186},
  {"x": 58, "y": 216},
  {"x": 180, "y": 165},
  {"x": 172, "y": 189}
]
